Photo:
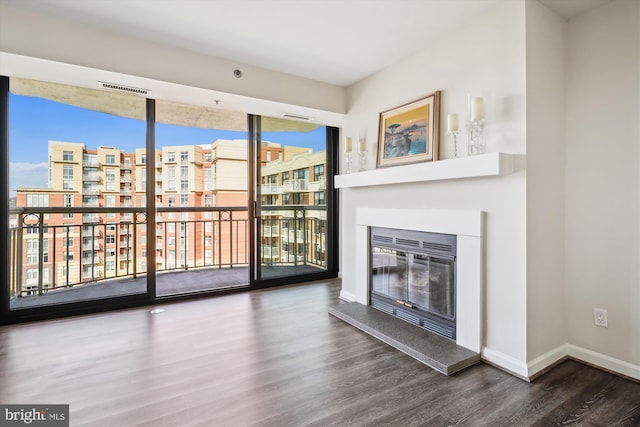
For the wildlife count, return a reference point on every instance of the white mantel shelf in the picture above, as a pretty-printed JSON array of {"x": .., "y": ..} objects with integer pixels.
[{"x": 491, "y": 164}]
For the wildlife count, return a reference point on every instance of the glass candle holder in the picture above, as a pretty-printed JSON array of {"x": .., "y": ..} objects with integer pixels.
[
  {"x": 362, "y": 153},
  {"x": 476, "y": 141},
  {"x": 348, "y": 162},
  {"x": 454, "y": 137}
]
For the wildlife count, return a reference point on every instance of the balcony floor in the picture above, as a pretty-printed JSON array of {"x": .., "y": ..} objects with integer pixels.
[{"x": 167, "y": 283}]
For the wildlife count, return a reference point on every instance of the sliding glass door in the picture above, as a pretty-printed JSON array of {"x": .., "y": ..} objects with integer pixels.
[
  {"x": 201, "y": 199},
  {"x": 294, "y": 205}
]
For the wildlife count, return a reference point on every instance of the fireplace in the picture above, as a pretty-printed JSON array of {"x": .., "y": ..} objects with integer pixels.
[
  {"x": 468, "y": 227},
  {"x": 413, "y": 277}
]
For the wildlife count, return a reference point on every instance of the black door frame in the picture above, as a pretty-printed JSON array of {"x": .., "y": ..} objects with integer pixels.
[{"x": 254, "y": 139}]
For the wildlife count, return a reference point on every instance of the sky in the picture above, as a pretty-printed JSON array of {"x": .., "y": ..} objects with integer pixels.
[{"x": 35, "y": 121}]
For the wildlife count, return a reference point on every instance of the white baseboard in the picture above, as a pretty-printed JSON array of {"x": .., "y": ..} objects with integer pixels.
[
  {"x": 347, "y": 296},
  {"x": 506, "y": 362},
  {"x": 603, "y": 361},
  {"x": 546, "y": 360}
]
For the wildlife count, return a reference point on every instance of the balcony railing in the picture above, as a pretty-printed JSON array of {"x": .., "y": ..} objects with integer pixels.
[
  {"x": 93, "y": 260},
  {"x": 90, "y": 177},
  {"x": 95, "y": 246},
  {"x": 318, "y": 185},
  {"x": 203, "y": 237},
  {"x": 91, "y": 218},
  {"x": 295, "y": 185},
  {"x": 91, "y": 163},
  {"x": 270, "y": 188}
]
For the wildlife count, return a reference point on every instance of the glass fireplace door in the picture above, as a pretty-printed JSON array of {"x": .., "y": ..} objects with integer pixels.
[
  {"x": 415, "y": 280},
  {"x": 430, "y": 284}
]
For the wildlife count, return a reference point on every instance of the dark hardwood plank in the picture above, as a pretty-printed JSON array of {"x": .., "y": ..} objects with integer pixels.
[{"x": 277, "y": 358}]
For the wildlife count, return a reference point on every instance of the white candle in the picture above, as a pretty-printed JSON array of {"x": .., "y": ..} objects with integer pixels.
[
  {"x": 349, "y": 145},
  {"x": 452, "y": 122},
  {"x": 477, "y": 109}
]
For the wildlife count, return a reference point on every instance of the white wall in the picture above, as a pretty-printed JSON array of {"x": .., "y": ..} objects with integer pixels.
[
  {"x": 486, "y": 58},
  {"x": 547, "y": 38},
  {"x": 603, "y": 185}
]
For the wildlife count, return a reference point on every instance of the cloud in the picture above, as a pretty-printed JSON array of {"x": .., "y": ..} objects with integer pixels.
[{"x": 29, "y": 175}]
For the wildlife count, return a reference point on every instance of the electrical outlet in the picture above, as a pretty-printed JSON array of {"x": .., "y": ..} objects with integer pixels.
[{"x": 600, "y": 317}]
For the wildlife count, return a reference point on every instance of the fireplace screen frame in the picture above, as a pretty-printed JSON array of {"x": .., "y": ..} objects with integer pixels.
[{"x": 415, "y": 256}]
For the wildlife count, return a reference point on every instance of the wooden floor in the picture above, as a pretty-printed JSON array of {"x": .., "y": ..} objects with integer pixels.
[{"x": 276, "y": 358}]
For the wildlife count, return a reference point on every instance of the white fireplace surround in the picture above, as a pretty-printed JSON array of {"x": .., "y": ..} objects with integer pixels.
[{"x": 467, "y": 225}]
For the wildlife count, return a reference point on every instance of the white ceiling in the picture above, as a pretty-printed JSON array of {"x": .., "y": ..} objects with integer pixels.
[{"x": 309, "y": 38}]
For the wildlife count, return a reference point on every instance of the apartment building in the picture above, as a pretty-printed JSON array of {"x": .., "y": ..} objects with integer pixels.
[
  {"x": 294, "y": 213},
  {"x": 108, "y": 239}
]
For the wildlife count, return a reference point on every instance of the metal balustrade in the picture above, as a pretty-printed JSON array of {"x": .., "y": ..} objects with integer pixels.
[
  {"x": 93, "y": 248},
  {"x": 295, "y": 185}
]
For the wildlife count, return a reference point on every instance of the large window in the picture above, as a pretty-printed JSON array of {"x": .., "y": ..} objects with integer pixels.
[
  {"x": 96, "y": 165},
  {"x": 35, "y": 200},
  {"x": 110, "y": 174},
  {"x": 67, "y": 177},
  {"x": 70, "y": 163}
]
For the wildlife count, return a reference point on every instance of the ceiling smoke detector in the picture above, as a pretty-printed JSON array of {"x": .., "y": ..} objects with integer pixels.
[{"x": 122, "y": 88}]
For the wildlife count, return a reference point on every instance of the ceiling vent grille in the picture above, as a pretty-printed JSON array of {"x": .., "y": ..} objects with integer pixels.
[
  {"x": 123, "y": 88},
  {"x": 296, "y": 117}
]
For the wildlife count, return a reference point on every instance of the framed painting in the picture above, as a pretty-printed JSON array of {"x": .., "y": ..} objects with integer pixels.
[{"x": 410, "y": 133}]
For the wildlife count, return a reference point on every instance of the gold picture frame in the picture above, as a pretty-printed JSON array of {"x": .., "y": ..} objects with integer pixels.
[{"x": 410, "y": 133}]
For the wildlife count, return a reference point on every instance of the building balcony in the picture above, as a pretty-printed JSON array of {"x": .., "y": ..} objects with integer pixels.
[
  {"x": 91, "y": 231},
  {"x": 90, "y": 177},
  {"x": 91, "y": 191},
  {"x": 91, "y": 163},
  {"x": 125, "y": 166},
  {"x": 194, "y": 250},
  {"x": 92, "y": 260},
  {"x": 271, "y": 231},
  {"x": 319, "y": 185},
  {"x": 295, "y": 235},
  {"x": 270, "y": 252},
  {"x": 270, "y": 188},
  {"x": 295, "y": 186},
  {"x": 95, "y": 246},
  {"x": 91, "y": 218}
]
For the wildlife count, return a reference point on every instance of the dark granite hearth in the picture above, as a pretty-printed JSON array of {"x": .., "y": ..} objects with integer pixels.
[{"x": 435, "y": 351}]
